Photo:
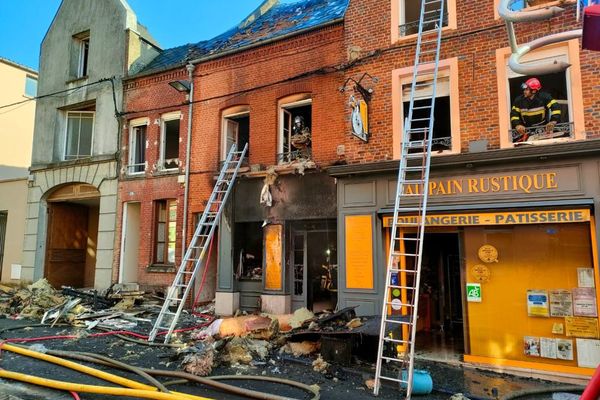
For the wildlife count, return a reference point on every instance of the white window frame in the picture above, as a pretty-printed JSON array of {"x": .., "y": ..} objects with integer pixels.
[
  {"x": 163, "y": 119},
  {"x": 283, "y": 107},
  {"x": 67, "y": 134},
  {"x": 224, "y": 146},
  {"x": 130, "y": 159},
  {"x": 402, "y": 16},
  {"x": 84, "y": 57}
]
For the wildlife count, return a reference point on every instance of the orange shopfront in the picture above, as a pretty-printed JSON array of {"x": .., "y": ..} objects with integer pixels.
[
  {"x": 532, "y": 278},
  {"x": 509, "y": 268}
]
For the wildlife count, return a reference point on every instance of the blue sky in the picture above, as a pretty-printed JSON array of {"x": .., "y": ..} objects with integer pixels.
[{"x": 23, "y": 23}]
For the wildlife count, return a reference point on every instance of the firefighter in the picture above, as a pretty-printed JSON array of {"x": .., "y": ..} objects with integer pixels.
[{"x": 533, "y": 109}]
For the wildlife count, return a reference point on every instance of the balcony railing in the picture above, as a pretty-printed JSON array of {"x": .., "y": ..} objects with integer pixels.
[
  {"x": 541, "y": 133},
  {"x": 411, "y": 28},
  {"x": 294, "y": 156}
]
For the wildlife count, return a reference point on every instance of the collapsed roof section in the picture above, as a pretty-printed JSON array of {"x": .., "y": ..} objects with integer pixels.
[{"x": 271, "y": 21}]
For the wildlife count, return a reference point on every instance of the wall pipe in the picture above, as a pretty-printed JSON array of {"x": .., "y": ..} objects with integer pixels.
[
  {"x": 186, "y": 190},
  {"x": 510, "y": 17}
]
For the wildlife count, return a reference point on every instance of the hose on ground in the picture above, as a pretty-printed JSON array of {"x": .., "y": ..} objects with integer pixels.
[
  {"x": 80, "y": 388},
  {"x": 87, "y": 370},
  {"x": 529, "y": 392},
  {"x": 208, "y": 381}
]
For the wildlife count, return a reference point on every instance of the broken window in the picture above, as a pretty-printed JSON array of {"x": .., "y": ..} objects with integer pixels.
[
  {"x": 442, "y": 132},
  {"x": 137, "y": 149},
  {"x": 166, "y": 233},
  {"x": 236, "y": 129},
  {"x": 248, "y": 250},
  {"x": 296, "y": 131},
  {"x": 3, "y": 219},
  {"x": 557, "y": 85},
  {"x": 410, "y": 12},
  {"x": 80, "y": 130},
  {"x": 169, "y": 150}
]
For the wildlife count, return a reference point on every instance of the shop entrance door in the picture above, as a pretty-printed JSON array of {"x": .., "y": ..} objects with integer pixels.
[
  {"x": 313, "y": 265},
  {"x": 440, "y": 327}
]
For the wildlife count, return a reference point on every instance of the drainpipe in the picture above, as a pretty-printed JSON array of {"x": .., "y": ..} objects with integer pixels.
[{"x": 190, "y": 69}]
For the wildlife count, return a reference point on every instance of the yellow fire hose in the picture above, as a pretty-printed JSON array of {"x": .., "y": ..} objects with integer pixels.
[
  {"x": 80, "y": 388},
  {"x": 128, "y": 383}
]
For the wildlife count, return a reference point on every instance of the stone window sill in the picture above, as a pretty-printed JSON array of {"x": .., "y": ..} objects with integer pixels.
[{"x": 161, "y": 268}]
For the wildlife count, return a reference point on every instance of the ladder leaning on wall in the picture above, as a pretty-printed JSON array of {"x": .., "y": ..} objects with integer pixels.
[
  {"x": 194, "y": 256},
  {"x": 395, "y": 355}
]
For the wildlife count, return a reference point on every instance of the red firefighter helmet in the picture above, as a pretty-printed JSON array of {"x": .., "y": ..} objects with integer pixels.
[{"x": 532, "y": 83}]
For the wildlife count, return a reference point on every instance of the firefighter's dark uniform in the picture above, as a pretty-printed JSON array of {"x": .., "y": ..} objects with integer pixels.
[{"x": 539, "y": 110}]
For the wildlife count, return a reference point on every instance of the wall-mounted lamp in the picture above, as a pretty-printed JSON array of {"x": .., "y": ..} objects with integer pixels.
[{"x": 181, "y": 86}]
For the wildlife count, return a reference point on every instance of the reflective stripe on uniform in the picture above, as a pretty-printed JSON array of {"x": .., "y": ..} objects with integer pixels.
[
  {"x": 551, "y": 103},
  {"x": 516, "y": 109},
  {"x": 556, "y": 112},
  {"x": 533, "y": 113},
  {"x": 515, "y": 118}
]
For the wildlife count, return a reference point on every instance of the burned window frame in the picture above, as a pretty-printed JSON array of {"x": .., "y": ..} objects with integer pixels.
[
  {"x": 162, "y": 161},
  {"x": 133, "y": 167},
  {"x": 288, "y": 155},
  {"x": 233, "y": 114}
]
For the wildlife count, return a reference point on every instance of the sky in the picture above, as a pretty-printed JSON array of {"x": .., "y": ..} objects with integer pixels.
[{"x": 23, "y": 23}]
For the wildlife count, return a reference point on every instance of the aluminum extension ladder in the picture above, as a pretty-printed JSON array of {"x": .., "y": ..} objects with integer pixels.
[
  {"x": 196, "y": 252},
  {"x": 395, "y": 355}
]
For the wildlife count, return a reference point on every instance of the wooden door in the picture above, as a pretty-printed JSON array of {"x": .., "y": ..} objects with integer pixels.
[{"x": 66, "y": 244}]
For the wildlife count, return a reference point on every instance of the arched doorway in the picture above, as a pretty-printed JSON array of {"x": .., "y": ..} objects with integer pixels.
[{"x": 71, "y": 244}]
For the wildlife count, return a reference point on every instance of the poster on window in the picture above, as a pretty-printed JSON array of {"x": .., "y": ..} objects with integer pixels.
[
  {"x": 537, "y": 303},
  {"x": 584, "y": 302},
  {"x": 585, "y": 277},
  {"x": 564, "y": 349},
  {"x": 588, "y": 353},
  {"x": 581, "y": 327},
  {"x": 531, "y": 346},
  {"x": 561, "y": 303},
  {"x": 548, "y": 348}
]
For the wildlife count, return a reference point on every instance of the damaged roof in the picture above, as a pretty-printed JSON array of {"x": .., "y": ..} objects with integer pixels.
[{"x": 272, "y": 20}]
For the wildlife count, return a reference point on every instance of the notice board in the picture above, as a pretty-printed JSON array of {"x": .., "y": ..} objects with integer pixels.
[
  {"x": 273, "y": 248},
  {"x": 359, "y": 251}
]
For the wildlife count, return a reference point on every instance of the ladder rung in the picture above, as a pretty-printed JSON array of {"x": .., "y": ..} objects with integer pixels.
[
  {"x": 428, "y": 51},
  {"x": 399, "y": 254},
  {"x": 387, "y": 378},
  {"x": 421, "y": 119},
  {"x": 399, "y": 322},
  {"x": 412, "y": 168},
  {"x": 389, "y": 303},
  {"x": 407, "y": 239},
  {"x": 421, "y": 107},
  {"x": 387, "y": 339},
  {"x": 398, "y": 360},
  {"x": 402, "y": 287},
  {"x": 413, "y": 181},
  {"x": 410, "y": 271}
]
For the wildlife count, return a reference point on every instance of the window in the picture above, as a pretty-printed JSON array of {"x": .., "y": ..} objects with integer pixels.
[
  {"x": 248, "y": 250},
  {"x": 236, "y": 129},
  {"x": 446, "y": 129},
  {"x": 137, "y": 149},
  {"x": 410, "y": 12},
  {"x": 564, "y": 87},
  {"x": 80, "y": 130},
  {"x": 166, "y": 234},
  {"x": 3, "y": 219},
  {"x": 442, "y": 134},
  {"x": 30, "y": 86},
  {"x": 517, "y": 5},
  {"x": 295, "y": 141},
  {"x": 169, "y": 146},
  {"x": 84, "y": 51}
]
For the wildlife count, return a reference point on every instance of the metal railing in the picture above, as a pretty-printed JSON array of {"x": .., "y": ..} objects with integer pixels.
[
  {"x": 412, "y": 28},
  {"x": 133, "y": 169},
  {"x": 540, "y": 133},
  {"x": 437, "y": 144},
  {"x": 295, "y": 155}
]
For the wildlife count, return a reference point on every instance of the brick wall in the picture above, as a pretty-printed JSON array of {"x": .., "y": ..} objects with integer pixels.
[{"x": 474, "y": 43}]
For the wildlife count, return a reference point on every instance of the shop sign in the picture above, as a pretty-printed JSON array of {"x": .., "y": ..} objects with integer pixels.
[
  {"x": 474, "y": 292},
  {"x": 497, "y": 218},
  {"x": 526, "y": 183}
]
